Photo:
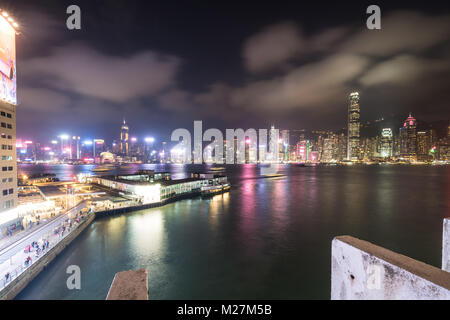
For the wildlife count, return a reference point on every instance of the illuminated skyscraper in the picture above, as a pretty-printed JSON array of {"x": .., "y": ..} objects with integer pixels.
[
  {"x": 75, "y": 148},
  {"x": 303, "y": 150},
  {"x": 8, "y": 103},
  {"x": 353, "y": 127},
  {"x": 330, "y": 148},
  {"x": 425, "y": 141},
  {"x": 387, "y": 142},
  {"x": 408, "y": 138},
  {"x": 284, "y": 145},
  {"x": 124, "y": 138}
]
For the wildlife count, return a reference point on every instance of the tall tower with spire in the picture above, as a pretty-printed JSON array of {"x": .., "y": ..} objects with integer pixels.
[
  {"x": 124, "y": 137},
  {"x": 353, "y": 152}
]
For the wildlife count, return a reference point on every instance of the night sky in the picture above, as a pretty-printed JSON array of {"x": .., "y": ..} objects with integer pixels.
[{"x": 162, "y": 65}]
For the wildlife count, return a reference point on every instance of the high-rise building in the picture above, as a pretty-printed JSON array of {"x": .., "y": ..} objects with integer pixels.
[
  {"x": 342, "y": 147},
  {"x": 124, "y": 138},
  {"x": 330, "y": 148},
  {"x": 8, "y": 102},
  {"x": 353, "y": 152},
  {"x": 284, "y": 145},
  {"x": 386, "y": 143},
  {"x": 408, "y": 139},
  {"x": 303, "y": 150},
  {"x": 75, "y": 148},
  {"x": 424, "y": 144},
  {"x": 8, "y": 175}
]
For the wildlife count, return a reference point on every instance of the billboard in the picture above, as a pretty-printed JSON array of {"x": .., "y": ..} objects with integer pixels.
[{"x": 8, "y": 92}]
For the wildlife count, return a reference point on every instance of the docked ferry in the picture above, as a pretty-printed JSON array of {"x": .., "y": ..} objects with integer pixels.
[{"x": 207, "y": 191}]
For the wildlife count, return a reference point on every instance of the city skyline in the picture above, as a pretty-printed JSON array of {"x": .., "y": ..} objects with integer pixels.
[{"x": 413, "y": 140}]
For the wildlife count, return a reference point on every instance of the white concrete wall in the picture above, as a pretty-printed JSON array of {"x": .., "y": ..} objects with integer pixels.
[
  {"x": 361, "y": 270},
  {"x": 446, "y": 245}
]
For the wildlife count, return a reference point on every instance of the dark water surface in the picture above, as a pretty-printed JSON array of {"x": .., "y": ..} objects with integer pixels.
[{"x": 265, "y": 239}]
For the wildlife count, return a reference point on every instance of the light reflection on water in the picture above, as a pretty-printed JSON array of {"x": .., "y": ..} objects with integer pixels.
[{"x": 266, "y": 238}]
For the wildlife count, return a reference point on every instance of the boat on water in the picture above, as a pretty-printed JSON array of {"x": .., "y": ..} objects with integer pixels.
[
  {"x": 208, "y": 191},
  {"x": 273, "y": 175},
  {"x": 102, "y": 169},
  {"x": 310, "y": 164},
  {"x": 306, "y": 164},
  {"x": 217, "y": 169}
]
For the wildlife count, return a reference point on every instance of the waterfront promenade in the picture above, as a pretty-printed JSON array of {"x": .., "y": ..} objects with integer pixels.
[{"x": 19, "y": 255}]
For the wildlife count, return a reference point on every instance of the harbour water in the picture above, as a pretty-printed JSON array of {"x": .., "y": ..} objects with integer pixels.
[{"x": 268, "y": 238}]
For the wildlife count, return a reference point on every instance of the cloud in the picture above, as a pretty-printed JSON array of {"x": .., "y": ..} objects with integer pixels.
[
  {"x": 79, "y": 69},
  {"x": 306, "y": 86},
  {"x": 271, "y": 47},
  {"x": 37, "y": 29},
  {"x": 402, "y": 70},
  {"x": 42, "y": 100},
  {"x": 175, "y": 100},
  {"x": 401, "y": 31}
]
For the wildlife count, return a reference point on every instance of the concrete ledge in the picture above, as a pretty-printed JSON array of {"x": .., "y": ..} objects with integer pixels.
[
  {"x": 19, "y": 283},
  {"x": 362, "y": 270},
  {"x": 129, "y": 285},
  {"x": 446, "y": 245}
]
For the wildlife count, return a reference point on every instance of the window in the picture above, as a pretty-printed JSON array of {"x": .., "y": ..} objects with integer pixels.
[
  {"x": 4, "y": 147},
  {"x": 9, "y": 126},
  {"x": 4, "y": 124},
  {"x": 8, "y": 115},
  {"x": 10, "y": 179},
  {"x": 11, "y": 191},
  {"x": 9, "y": 136},
  {"x": 4, "y": 168},
  {"x": 8, "y": 204},
  {"x": 10, "y": 168},
  {"x": 3, "y": 135},
  {"x": 5, "y": 192},
  {"x": 3, "y": 114},
  {"x": 10, "y": 147},
  {"x": 4, "y": 180}
]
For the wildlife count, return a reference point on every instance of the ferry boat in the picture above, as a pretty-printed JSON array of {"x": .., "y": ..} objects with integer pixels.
[
  {"x": 207, "y": 191},
  {"x": 217, "y": 169},
  {"x": 102, "y": 169}
]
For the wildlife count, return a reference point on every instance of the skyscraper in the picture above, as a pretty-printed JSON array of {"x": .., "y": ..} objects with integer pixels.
[
  {"x": 386, "y": 144},
  {"x": 284, "y": 145},
  {"x": 353, "y": 127},
  {"x": 75, "y": 148},
  {"x": 124, "y": 137},
  {"x": 408, "y": 138},
  {"x": 8, "y": 102},
  {"x": 424, "y": 144}
]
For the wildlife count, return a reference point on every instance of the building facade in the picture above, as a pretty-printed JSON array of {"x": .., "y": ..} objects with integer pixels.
[
  {"x": 353, "y": 136},
  {"x": 386, "y": 143},
  {"x": 8, "y": 173},
  {"x": 124, "y": 139},
  {"x": 408, "y": 139}
]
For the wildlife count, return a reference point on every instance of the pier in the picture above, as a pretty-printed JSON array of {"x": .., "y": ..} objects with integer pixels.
[{"x": 20, "y": 263}]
